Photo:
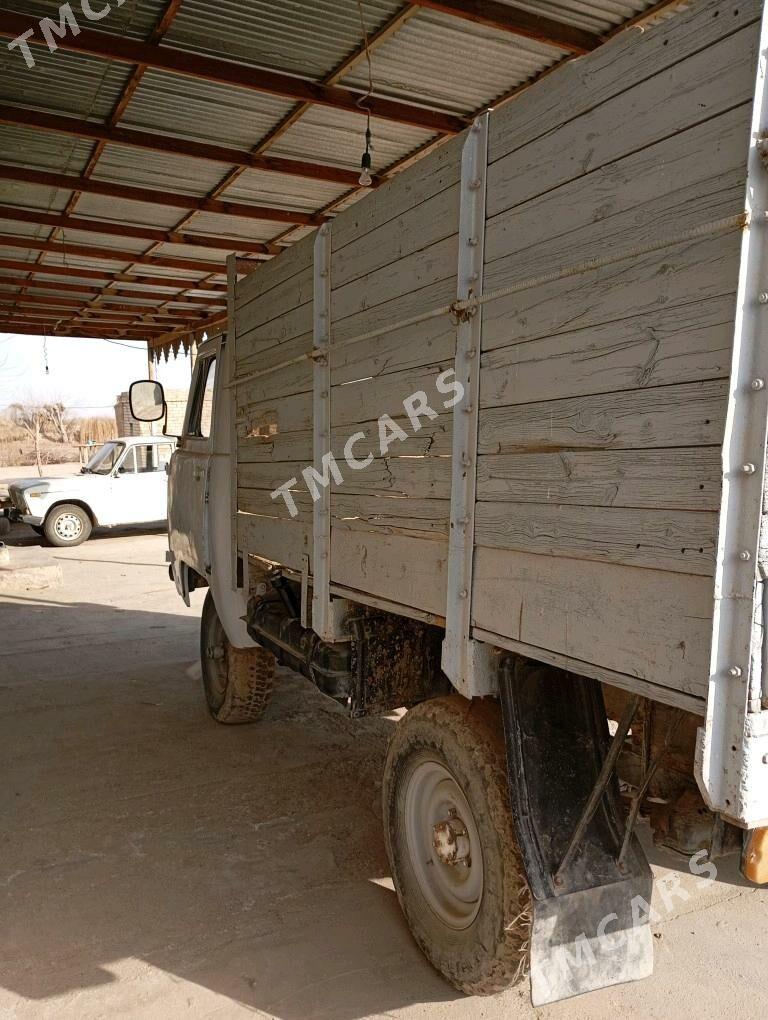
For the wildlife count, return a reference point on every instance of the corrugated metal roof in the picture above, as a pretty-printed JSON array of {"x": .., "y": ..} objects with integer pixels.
[
  {"x": 43, "y": 150},
  {"x": 158, "y": 170},
  {"x": 338, "y": 138},
  {"x": 593, "y": 15},
  {"x": 451, "y": 64},
  {"x": 284, "y": 191},
  {"x": 28, "y": 196},
  {"x": 425, "y": 57},
  {"x": 67, "y": 82},
  {"x": 306, "y": 37},
  {"x": 188, "y": 108}
]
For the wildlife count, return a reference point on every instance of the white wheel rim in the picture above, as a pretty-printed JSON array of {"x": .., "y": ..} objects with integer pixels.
[
  {"x": 68, "y": 527},
  {"x": 453, "y": 891}
]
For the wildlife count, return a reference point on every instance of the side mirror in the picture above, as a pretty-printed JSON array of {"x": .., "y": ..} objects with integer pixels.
[{"x": 147, "y": 400}]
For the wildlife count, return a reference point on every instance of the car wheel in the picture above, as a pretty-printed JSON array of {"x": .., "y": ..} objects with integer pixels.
[
  {"x": 67, "y": 525},
  {"x": 451, "y": 842},
  {"x": 237, "y": 681}
]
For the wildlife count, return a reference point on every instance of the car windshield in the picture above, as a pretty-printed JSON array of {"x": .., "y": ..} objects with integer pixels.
[{"x": 104, "y": 460}]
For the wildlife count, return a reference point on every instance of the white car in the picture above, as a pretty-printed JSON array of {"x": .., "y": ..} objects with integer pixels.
[{"x": 125, "y": 482}]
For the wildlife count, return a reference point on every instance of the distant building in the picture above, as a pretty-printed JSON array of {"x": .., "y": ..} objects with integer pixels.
[{"x": 127, "y": 425}]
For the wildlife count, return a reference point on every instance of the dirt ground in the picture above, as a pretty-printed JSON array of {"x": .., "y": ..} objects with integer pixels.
[{"x": 156, "y": 865}]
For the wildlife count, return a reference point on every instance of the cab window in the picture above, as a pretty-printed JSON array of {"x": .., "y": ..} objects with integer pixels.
[{"x": 201, "y": 408}]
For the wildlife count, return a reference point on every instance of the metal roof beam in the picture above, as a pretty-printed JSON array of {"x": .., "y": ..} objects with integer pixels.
[
  {"x": 226, "y": 72},
  {"x": 518, "y": 22},
  {"x": 89, "y": 295},
  {"x": 110, "y": 254},
  {"x": 109, "y": 228},
  {"x": 23, "y": 117},
  {"x": 23, "y": 328},
  {"x": 122, "y": 281},
  {"x": 116, "y": 311},
  {"x": 176, "y": 201}
]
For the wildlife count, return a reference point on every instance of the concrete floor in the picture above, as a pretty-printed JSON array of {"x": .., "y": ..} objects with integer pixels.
[{"x": 156, "y": 865}]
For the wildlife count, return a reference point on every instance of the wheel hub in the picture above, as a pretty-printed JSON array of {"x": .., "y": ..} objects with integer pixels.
[
  {"x": 451, "y": 841},
  {"x": 68, "y": 527},
  {"x": 443, "y": 844}
]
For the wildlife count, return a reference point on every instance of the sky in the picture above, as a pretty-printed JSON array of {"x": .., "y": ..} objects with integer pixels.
[{"x": 85, "y": 374}]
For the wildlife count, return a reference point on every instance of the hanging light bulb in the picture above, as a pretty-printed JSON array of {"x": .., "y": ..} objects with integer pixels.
[{"x": 367, "y": 161}]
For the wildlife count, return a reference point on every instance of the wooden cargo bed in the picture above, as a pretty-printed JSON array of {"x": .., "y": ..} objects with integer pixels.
[{"x": 602, "y": 394}]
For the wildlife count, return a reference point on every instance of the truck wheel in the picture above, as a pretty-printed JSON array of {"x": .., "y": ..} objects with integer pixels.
[
  {"x": 237, "y": 681},
  {"x": 67, "y": 525},
  {"x": 451, "y": 843}
]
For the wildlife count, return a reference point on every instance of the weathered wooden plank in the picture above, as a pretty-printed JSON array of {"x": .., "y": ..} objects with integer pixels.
[
  {"x": 407, "y": 190},
  {"x": 267, "y": 325},
  {"x": 678, "y": 344},
  {"x": 278, "y": 272},
  {"x": 667, "y": 218},
  {"x": 272, "y": 356},
  {"x": 292, "y": 380},
  {"x": 354, "y": 402},
  {"x": 676, "y": 540},
  {"x": 667, "y": 416},
  {"x": 434, "y": 439},
  {"x": 625, "y": 62},
  {"x": 697, "y": 89},
  {"x": 353, "y": 512},
  {"x": 405, "y": 349},
  {"x": 637, "y": 195},
  {"x": 420, "y": 227},
  {"x": 671, "y": 479},
  {"x": 414, "y": 477},
  {"x": 409, "y": 571},
  {"x": 653, "y": 624},
  {"x": 413, "y": 273},
  {"x": 284, "y": 542},
  {"x": 680, "y": 274}
]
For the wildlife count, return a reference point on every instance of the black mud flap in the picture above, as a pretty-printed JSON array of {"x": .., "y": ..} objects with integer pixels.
[{"x": 590, "y": 923}]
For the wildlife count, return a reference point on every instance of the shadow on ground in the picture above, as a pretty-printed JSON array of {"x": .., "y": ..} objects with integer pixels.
[{"x": 248, "y": 860}]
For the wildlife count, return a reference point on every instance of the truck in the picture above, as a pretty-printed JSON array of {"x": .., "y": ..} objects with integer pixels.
[{"x": 490, "y": 447}]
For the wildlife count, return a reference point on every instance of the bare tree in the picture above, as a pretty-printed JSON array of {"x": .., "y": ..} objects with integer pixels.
[
  {"x": 57, "y": 419},
  {"x": 31, "y": 419}
]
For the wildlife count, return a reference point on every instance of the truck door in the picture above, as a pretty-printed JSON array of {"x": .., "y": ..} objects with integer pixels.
[{"x": 189, "y": 472}]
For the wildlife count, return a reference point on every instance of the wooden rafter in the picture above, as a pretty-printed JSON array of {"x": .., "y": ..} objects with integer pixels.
[
  {"x": 225, "y": 72},
  {"x": 110, "y": 254},
  {"x": 87, "y": 185},
  {"x": 109, "y": 228},
  {"x": 122, "y": 281},
  {"x": 517, "y": 21},
  {"x": 22, "y": 117}
]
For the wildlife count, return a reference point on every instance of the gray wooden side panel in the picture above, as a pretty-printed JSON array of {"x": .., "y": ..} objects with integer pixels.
[
  {"x": 653, "y": 624},
  {"x": 685, "y": 343},
  {"x": 676, "y": 540},
  {"x": 633, "y": 57},
  {"x": 708, "y": 83},
  {"x": 639, "y": 479}
]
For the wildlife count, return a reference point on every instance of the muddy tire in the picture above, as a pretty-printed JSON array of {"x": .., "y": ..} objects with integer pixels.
[
  {"x": 67, "y": 525},
  {"x": 237, "y": 681},
  {"x": 452, "y": 847}
]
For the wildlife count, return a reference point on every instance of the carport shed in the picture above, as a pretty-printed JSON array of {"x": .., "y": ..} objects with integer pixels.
[{"x": 149, "y": 141}]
